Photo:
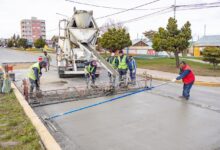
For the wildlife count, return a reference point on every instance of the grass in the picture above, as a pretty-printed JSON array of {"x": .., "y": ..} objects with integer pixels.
[
  {"x": 15, "y": 127},
  {"x": 34, "y": 50},
  {"x": 168, "y": 65}
]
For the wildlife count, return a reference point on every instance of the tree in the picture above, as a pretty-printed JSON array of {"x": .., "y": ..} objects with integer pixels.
[
  {"x": 212, "y": 55},
  {"x": 115, "y": 39},
  {"x": 39, "y": 43},
  {"x": 149, "y": 34},
  {"x": 172, "y": 39},
  {"x": 110, "y": 24},
  {"x": 22, "y": 43},
  {"x": 10, "y": 43},
  {"x": 54, "y": 39}
]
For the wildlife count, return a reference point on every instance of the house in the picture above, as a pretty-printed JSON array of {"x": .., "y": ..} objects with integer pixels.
[
  {"x": 140, "y": 47},
  {"x": 205, "y": 41}
]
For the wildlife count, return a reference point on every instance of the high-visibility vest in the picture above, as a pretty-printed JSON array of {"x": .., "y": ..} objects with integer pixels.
[
  {"x": 122, "y": 63},
  {"x": 31, "y": 74},
  {"x": 113, "y": 62},
  {"x": 89, "y": 69}
]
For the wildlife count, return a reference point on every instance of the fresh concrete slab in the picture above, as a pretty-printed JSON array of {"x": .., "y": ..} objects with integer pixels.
[{"x": 143, "y": 121}]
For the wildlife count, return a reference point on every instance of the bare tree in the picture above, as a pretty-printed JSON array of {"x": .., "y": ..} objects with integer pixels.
[{"x": 111, "y": 24}]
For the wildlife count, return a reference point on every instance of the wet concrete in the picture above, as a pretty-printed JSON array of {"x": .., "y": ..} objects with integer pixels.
[
  {"x": 143, "y": 121},
  {"x": 155, "y": 119}
]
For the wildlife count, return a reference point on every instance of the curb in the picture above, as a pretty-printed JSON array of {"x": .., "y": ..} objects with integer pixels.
[
  {"x": 47, "y": 139},
  {"x": 200, "y": 83}
]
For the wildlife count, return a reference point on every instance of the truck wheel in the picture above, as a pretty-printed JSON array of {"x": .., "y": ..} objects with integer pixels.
[{"x": 61, "y": 73}]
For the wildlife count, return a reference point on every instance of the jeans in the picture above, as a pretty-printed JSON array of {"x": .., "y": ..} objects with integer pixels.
[
  {"x": 186, "y": 90},
  {"x": 132, "y": 75}
]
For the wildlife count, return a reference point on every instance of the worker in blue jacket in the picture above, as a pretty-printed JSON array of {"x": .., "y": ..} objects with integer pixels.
[
  {"x": 188, "y": 78},
  {"x": 132, "y": 68}
]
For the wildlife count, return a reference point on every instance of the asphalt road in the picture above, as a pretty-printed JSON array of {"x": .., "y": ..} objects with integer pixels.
[{"x": 155, "y": 119}]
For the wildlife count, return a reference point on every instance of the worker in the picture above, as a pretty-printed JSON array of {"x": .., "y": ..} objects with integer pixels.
[
  {"x": 90, "y": 72},
  {"x": 132, "y": 68},
  {"x": 122, "y": 66},
  {"x": 6, "y": 86},
  {"x": 113, "y": 60},
  {"x": 35, "y": 74},
  {"x": 188, "y": 78},
  {"x": 47, "y": 59}
]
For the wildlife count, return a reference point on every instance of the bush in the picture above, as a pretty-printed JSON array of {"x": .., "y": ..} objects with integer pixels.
[
  {"x": 10, "y": 43},
  {"x": 212, "y": 55},
  {"x": 39, "y": 43},
  {"x": 22, "y": 43}
]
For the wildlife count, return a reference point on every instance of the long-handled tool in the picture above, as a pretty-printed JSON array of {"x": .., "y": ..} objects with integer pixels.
[{"x": 103, "y": 102}]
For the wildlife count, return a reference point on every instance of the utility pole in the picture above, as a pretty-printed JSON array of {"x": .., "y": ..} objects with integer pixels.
[
  {"x": 204, "y": 29},
  {"x": 174, "y": 10}
]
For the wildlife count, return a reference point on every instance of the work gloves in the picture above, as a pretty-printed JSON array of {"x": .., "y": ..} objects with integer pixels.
[{"x": 173, "y": 80}]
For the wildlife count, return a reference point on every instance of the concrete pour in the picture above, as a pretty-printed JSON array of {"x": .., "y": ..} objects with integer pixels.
[
  {"x": 143, "y": 121},
  {"x": 155, "y": 119}
]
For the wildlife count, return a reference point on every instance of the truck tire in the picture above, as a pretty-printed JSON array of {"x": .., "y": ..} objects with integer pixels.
[{"x": 61, "y": 73}]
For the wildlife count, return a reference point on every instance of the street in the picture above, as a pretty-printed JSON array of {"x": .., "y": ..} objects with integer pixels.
[{"x": 155, "y": 119}]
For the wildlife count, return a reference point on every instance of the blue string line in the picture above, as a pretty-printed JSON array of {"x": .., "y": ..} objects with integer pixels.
[{"x": 99, "y": 103}]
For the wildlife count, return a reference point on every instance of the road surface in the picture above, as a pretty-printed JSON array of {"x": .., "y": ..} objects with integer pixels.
[{"x": 155, "y": 119}]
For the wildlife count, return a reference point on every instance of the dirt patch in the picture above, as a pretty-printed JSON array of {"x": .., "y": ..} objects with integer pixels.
[
  {"x": 18, "y": 66},
  {"x": 8, "y": 144},
  {"x": 22, "y": 66}
]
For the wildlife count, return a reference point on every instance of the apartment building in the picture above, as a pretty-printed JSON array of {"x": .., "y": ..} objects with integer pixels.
[{"x": 32, "y": 29}]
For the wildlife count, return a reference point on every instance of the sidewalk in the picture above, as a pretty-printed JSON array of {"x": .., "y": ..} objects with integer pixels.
[{"x": 200, "y": 80}]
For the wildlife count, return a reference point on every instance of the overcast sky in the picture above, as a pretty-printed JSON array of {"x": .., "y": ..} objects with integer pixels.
[{"x": 13, "y": 11}]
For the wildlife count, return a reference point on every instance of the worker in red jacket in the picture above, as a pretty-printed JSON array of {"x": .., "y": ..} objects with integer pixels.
[{"x": 188, "y": 78}]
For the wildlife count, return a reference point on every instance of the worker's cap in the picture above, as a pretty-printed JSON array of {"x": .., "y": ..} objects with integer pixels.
[
  {"x": 43, "y": 64},
  {"x": 94, "y": 63},
  {"x": 182, "y": 62}
]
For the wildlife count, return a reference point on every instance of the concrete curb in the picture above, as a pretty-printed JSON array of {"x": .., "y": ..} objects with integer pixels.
[{"x": 47, "y": 139}]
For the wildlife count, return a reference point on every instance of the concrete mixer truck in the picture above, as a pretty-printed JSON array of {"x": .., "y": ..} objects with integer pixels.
[{"x": 76, "y": 44}]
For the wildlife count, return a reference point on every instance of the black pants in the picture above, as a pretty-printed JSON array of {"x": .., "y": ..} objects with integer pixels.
[{"x": 122, "y": 72}]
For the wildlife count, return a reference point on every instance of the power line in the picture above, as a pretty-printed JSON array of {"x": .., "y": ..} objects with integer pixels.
[
  {"x": 142, "y": 17},
  {"x": 128, "y": 9},
  {"x": 179, "y": 8},
  {"x": 198, "y": 4},
  {"x": 163, "y": 11},
  {"x": 107, "y": 7}
]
